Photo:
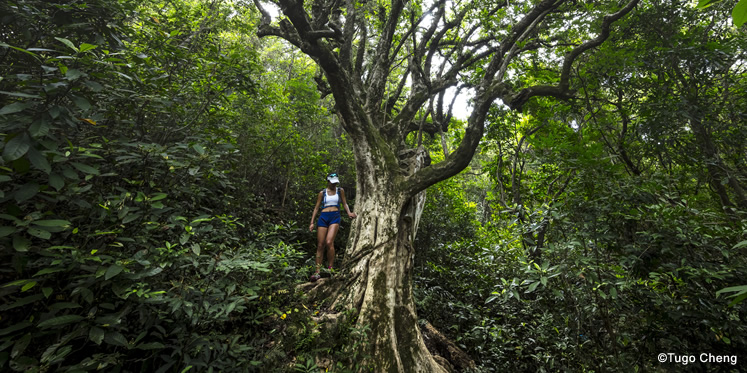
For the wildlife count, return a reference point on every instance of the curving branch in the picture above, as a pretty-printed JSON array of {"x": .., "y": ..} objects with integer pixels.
[
  {"x": 491, "y": 88},
  {"x": 562, "y": 90},
  {"x": 380, "y": 69}
]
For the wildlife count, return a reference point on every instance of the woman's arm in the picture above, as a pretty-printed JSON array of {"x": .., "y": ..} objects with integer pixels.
[
  {"x": 316, "y": 209},
  {"x": 351, "y": 215}
]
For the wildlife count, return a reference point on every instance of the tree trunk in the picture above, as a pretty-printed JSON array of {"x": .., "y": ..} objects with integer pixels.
[{"x": 378, "y": 272}]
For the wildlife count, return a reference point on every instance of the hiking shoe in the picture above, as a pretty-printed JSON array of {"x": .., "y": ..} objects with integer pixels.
[{"x": 315, "y": 277}]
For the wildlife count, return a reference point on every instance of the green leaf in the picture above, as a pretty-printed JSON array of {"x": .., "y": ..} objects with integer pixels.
[
  {"x": 150, "y": 346},
  {"x": 21, "y": 243},
  {"x": 73, "y": 74},
  {"x": 738, "y": 299},
  {"x": 63, "y": 306},
  {"x": 702, "y": 4},
  {"x": 26, "y": 192},
  {"x": 602, "y": 293},
  {"x": 87, "y": 47},
  {"x": 532, "y": 287},
  {"x": 22, "y": 302},
  {"x": 28, "y": 286},
  {"x": 112, "y": 271},
  {"x": 733, "y": 289},
  {"x": 39, "y": 128},
  {"x": 130, "y": 217},
  {"x": 20, "y": 346},
  {"x": 116, "y": 339},
  {"x": 16, "y": 147},
  {"x": 20, "y": 50},
  {"x": 68, "y": 43},
  {"x": 16, "y": 283},
  {"x": 47, "y": 292},
  {"x": 199, "y": 220},
  {"x": 14, "y": 328},
  {"x": 52, "y": 223},
  {"x": 96, "y": 335},
  {"x": 54, "y": 353},
  {"x": 19, "y": 94},
  {"x": 96, "y": 87},
  {"x": 36, "y": 232},
  {"x": 60, "y": 320},
  {"x": 55, "y": 181},
  {"x": 6, "y": 231},
  {"x": 14, "y": 108},
  {"x": 70, "y": 174},
  {"x": 740, "y": 245},
  {"x": 613, "y": 292},
  {"x": 47, "y": 271},
  {"x": 739, "y": 13},
  {"x": 159, "y": 196},
  {"x": 81, "y": 102},
  {"x": 39, "y": 161},
  {"x": 199, "y": 149},
  {"x": 515, "y": 293},
  {"x": 85, "y": 168}
]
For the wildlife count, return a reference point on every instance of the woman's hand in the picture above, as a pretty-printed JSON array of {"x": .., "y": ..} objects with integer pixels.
[
  {"x": 352, "y": 215},
  {"x": 311, "y": 227}
]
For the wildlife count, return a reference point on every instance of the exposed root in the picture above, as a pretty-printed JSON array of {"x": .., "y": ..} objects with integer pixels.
[
  {"x": 327, "y": 318},
  {"x": 440, "y": 346},
  {"x": 322, "y": 289},
  {"x": 444, "y": 363},
  {"x": 308, "y": 287}
]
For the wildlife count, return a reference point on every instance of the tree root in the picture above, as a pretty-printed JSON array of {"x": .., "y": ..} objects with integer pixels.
[
  {"x": 322, "y": 289},
  {"x": 444, "y": 351}
]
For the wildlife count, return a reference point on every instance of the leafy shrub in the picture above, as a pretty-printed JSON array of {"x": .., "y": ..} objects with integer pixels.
[
  {"x": 126, "y": 244},
  {"x": 618, "y": 283}
]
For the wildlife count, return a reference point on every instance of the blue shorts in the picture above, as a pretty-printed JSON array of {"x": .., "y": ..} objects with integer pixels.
[{"x": 328, "y": 218}]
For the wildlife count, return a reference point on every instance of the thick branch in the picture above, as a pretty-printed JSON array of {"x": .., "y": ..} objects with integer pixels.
[
  {"x": 562, "y": 90},
  {"x": 346, "y": 51},
  {"x": 516, "y": 31},
  {"x": 361, "y": 52},
  {"x": 459, "y": 158},
  {"x": 380, "y": 68}
]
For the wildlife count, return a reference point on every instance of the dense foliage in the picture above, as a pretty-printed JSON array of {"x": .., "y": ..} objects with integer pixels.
[
  {"x": 610, "y": 234},
  {"x": 158, "y": 159}
]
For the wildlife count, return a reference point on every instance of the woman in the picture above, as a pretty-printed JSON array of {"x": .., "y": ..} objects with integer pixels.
[{"x": 329, "y": 221}]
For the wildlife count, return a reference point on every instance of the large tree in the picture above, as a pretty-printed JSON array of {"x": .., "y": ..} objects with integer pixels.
[{"x": 389, "y": 65}]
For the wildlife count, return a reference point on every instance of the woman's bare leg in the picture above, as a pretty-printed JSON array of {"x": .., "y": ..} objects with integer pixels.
[
  {"x": 321, "y": 235},
  {"x": 330, "y": 241}
]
